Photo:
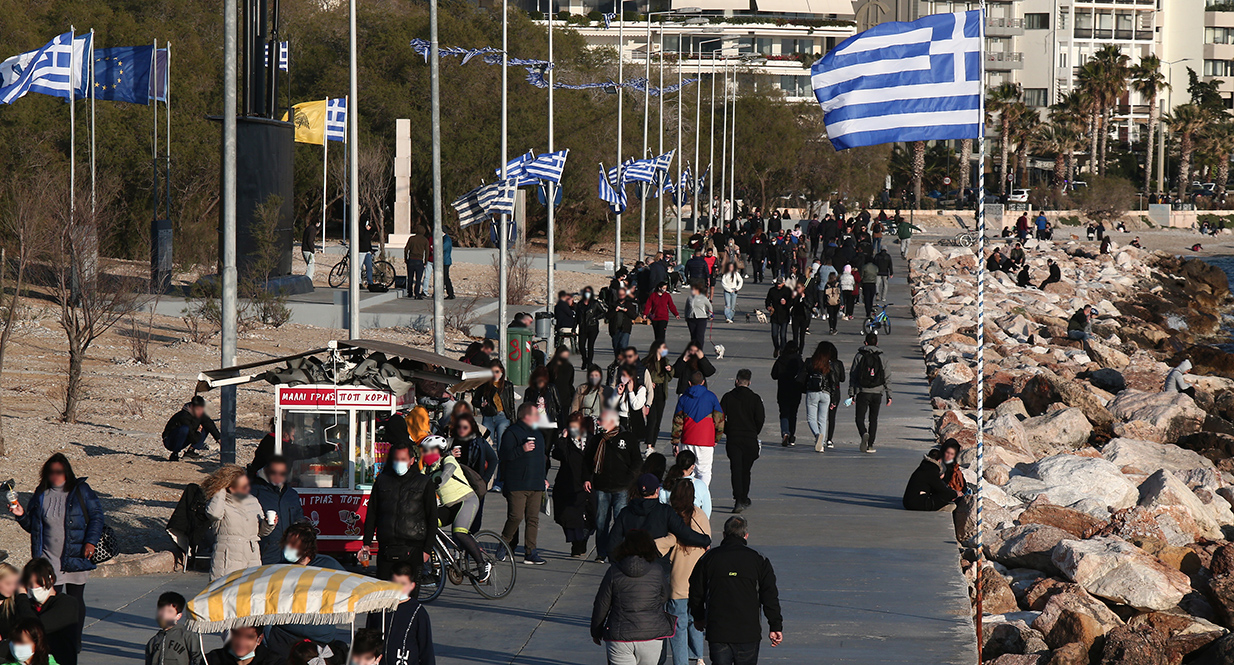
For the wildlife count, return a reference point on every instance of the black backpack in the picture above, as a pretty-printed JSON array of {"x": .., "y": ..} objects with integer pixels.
[
  {"x": 816, "y": 382},
  {"x": 869, "y": 371}
]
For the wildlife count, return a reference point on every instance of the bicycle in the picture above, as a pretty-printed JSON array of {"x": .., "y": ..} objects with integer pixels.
[
  {"x": 383, "y": 272},
  {"x": 448, "y": 561},
  {"x": 879, "y": 320}
]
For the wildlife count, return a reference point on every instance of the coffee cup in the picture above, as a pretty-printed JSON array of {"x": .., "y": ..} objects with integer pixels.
[{"x": 272, "y": 517}]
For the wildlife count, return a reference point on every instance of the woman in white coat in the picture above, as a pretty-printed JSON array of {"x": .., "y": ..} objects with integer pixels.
[
  {"x": 731, "y": 281},
  {"x": 237, "y": 520}
]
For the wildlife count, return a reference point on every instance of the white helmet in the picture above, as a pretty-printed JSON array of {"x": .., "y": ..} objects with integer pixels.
[{"x": 431, "y": 442}]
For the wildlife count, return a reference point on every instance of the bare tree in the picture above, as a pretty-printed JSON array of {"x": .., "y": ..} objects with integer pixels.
[{"x": 376, "y": 175}]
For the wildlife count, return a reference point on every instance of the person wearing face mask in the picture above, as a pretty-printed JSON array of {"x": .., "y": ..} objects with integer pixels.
[
  {"x": 937, "y": 481},
  {"x": 402, "y": 510},
  {"x": 628, "y": 398},
  {"x": 58, "y": 613},
  {"x": 237, "y": 520},
  {"x": 660, "y": 373},
  {"x": 658, "y": 307},
  {"x": 590, "y": 397},
  {"x": 542, "y": 394},
  {"x": 65, "y": 521},
  {"x": 273, "y": 492},
  {"x": 298, "y": 546},
  {"x": 495, "y": 401},
  {"x": 244, "y": 647},
  {"x": 590, "y": 313},
  {"x": 612, "y": 462},
  {"x": 573, "y": 505},
  {"x": 458, "y": 502},
  {"x": 9, "y": 582},
  {"x": 27, "y": 645}
]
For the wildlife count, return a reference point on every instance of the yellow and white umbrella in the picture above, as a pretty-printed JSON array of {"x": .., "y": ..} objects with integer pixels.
[{"x": 288, "y": 594}]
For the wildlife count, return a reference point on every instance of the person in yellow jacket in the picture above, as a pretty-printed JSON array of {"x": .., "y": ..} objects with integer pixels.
[{"x": 459, "y": 503}]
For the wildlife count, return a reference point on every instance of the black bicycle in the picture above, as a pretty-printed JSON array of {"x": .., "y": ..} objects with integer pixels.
[
  {"x": 383, "y": 272},
  {"x": 447, "y": 561}
]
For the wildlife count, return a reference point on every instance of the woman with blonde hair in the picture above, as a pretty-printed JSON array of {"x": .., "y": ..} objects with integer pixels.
[
  {"x": 238, "y": 525},
  {"x": 8, "y": 600}
]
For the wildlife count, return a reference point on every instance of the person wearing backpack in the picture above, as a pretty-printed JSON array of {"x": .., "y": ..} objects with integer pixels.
[
  {"x": 824, "y": 375},
  {"x": 833, "y": 298},
  {"x": 869, "y": 384}
]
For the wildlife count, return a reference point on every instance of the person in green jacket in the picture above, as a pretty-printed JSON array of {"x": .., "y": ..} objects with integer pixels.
[
  {"x": 904, "y": 231},
  {"x": 27, "y": 645}
]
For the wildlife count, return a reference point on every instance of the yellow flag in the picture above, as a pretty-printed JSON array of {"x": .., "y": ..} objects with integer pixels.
[{"x": 310, "y": 122}]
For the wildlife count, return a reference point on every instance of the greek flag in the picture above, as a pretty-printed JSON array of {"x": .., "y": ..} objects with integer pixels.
[
  {"x": 282, "y": 55},
  {"x": 687, "y": 179},
  {"x": 547, "y": 166},
  {"x": 336, "y": 119},
  {"x": 615, "y": 198},
  {"x": 517, "y": 168},
  {"x": 918, "y": 81},
  {"x": 642, "y": 170},
  {"x": 47, "y": 70},
  {"x": 469, "y": 209},
  {"x": 664, "y": 161},
  {"x": 498, "y": 198},
  {"x": 698, "y": 187},
  {"x": 608, "y": 19}
]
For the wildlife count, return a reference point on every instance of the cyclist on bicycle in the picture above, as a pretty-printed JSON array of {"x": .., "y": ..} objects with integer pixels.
[{"x": 454, "y": 494}]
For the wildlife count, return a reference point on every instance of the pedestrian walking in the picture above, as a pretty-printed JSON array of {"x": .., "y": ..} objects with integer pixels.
[
  {"x": 186, "y": 430},
  {"x": 494, "y": 400},
  {"x": 904, "y": 231},
  {"x": 573, "y": 502},
  {"x": 833, "y": 298},
  {"x": 661, "y": 373},
  {"x": 698, "y": 422},
  {"x": 824, "y": 376},
  {"x": 447, "y": 260},
  {"x": 682, "y": 471},
  {"x": 590, "y": 312},
  {"x": 799, "y": 315},
  {"x": 659, "y": 306},
  {"x": 686, "y": 643},
  {"x": 172, "y": 644},
  {"x": 612, "y": 462},
  {"x": 788, "y": 371},
  {"x": 698, "y": 313},
  {"x": 524, "y": 465},
  {"x": 561, "y": 374},
  {"x": 368, "y": 235},
  {"x": 237, "y": 520},
  {"x": 869, "y": 286},
  {"x": 869, "y": 383},
  {"x": 728, "y": 587},
  {"x": 591, "y": 397},
  {"x": 10, "y": 584},
  {"x": 731, "y": 282},
  {"x": 409, "y": 637},
  {"x": 308, "y": 247},
  {"x": 402, "y": 514},
  {"x": 882, "y": 261},
  {"x": 272, "y": 490},
  {"x": 416, "y": 253},
  {"x": 542, "y": 394},
  {"x": 628, "y": 614},
  {"x": 647, "y": 514},
  {"x": 473, "y": 450},
  {"x": 692, "y": 360},
  {"x": 848, "y": 288},
  {"x": 621, "y": 319},
  {"x": 65, "y": 520},
  {"x": 629, "y": 399},
  {"x": 779, "y": 302},
  {"x": 744, "y": 416}
]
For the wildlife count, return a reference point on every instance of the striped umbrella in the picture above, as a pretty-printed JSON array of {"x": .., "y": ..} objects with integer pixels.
[{"x": 288, "y": 594}]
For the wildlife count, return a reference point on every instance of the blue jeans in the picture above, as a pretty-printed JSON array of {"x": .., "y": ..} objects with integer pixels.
[
  {"x": 620, "y": 341},
  {"x": 779, "y": 335},
  {"x": 608, "y": 506},
  {"x": 730, "y": 305},
  {"x": 687, "y": 643},
  {"x": 368, "y": 267},
  {"x": 818, "y": 408},
  {"x": 496, "y": 426},
  {"x": 878, "y": 245}
]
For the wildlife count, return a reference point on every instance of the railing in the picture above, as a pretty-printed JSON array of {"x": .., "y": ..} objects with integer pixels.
[
  {"x": 998, "y": 22},
  {"x": 1004, "y": 56}
]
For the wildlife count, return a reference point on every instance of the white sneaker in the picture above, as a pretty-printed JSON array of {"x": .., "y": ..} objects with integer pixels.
[{"x": 820, "y": 443}]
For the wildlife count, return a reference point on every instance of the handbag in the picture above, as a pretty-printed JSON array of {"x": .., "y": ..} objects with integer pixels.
[{"x": 107, "y": 547}]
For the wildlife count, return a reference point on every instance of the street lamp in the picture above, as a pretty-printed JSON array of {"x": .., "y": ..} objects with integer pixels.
[
  {"x": 1161, "y": 155},
  {"x": 698, "y": 107},
  {"x": 550, "y": 187}
]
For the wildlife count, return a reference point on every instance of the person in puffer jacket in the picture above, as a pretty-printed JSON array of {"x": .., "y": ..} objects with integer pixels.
[
  {"x": 628, "y": 613},
  {"x": 698, "y": 422}
]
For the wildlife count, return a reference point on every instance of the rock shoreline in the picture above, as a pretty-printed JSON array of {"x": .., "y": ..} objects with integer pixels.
[{"x": 1108, "y": 503}]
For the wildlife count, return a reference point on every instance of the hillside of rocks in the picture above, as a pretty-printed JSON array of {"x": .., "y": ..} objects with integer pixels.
[{"x": 1108, "y": 503}]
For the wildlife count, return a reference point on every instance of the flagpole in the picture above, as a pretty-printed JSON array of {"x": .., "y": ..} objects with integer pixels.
[
  {"x": 698, "y": 114},
  {"x": 681, "y": 107},
  {"x": 503, "y": 232},
  {"x": 325, "y": 171},
  {"x": 439, "y": 311},
  {"x": 711, "y": 142},
  {"x": 660, "y": 194},
  {"x": 642, "y": 220},
  {"x": 353, "y": 176},
  {"x": 154, "y": 146},
  {"x": 724, "y": 143},
  {"x": 550, "y": 187},
  {"x": 621, "y": 84},
  {"x": 227, "y": 258},
  {"x": 980, "y": 327},
  {"x": 732, "y": 171},
  {"x": 167, "y": 110},
  {"x": 90, "y": 84},
  {"x": 72, "y": 132}
]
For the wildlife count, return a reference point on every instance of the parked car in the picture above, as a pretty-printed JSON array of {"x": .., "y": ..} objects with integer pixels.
[{"x": 1018, "y": 196}]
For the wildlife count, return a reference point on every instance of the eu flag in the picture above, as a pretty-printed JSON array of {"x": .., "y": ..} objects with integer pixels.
[{"x": 123, "y": 74}]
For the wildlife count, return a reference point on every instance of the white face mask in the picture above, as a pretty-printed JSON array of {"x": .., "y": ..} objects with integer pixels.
[
  {"x": 249, "y": 656},
  {"x": 41, "y": 594},
  {"x": 401, "y": 467},
  {"x": 663, "y": 353},
  {"x": 21, "y": 652},
  {"x": 291, "y": 554}
]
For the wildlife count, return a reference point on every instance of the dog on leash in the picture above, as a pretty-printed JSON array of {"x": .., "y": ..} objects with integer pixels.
[
  {"x": 760, "y": 315},
  {"x": 719, "y": 351}
]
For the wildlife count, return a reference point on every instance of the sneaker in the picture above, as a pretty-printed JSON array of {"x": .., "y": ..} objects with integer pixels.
[
  {"x": 533, "y": 558},
  {"x": 496, "y": 488},
  {"x": 738, "y": 507},
  {"x": 192, "y": 452},
  {"x": 865, "y": 442},
  {"x": 174, "y": 457},
  {"x": 486, "y": 571},
  {"x": 830, "y": 443},
  {"x": 502, "y": 553},
  {"x": 870, "y": 449},
  {"x": 728, "y": 320},
  {"x": 820, "y": 443},
  {"x": 600, "y": 558}
]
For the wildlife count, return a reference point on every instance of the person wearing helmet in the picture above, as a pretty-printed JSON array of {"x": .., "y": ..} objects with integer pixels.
[{"x": 459, "y": 503}]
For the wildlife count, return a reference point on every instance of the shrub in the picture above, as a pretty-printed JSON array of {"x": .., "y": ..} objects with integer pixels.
[{"x": 1106, "y": 198}]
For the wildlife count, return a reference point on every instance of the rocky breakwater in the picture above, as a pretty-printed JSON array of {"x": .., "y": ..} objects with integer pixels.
[{"x": 1108, "y": 503}]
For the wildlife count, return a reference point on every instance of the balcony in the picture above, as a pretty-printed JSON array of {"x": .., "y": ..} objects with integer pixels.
[
  {"x": 1004, "y": 60},
  {"x": 1004, "y": 27}
]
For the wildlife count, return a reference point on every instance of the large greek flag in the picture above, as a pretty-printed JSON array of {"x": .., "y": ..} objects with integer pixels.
[
  {"x": 614, "y": 197},
  {"x": 47, "y": 70},
  {"x": 918, "y": 81},
  {"x": 336, "y": 119},
  {"x": 548, "y": 166},
  {"x": 469, "y": 209}
]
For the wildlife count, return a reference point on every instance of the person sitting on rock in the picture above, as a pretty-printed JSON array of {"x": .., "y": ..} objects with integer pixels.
[
  {"x": 1080, "y": 325},
  {"x": 1136, "y": 242},
  {"x": 1015, "y": 259},
  {"x": 1024, "y": 280},
  {"x": 937, "y": 481},
  {"x": 995, "y": 262},
  {"x": 1056, "y": 275},
  {"x": 1176, "y": 380}
]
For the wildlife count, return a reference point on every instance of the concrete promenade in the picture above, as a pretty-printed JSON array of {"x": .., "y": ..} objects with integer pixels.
[{"x": 861, "y": 580}]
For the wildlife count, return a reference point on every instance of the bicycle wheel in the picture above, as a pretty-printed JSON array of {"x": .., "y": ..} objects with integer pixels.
[
  {"x": 498, "y": 553},
  {"x": 433, "y": 576},
  {"x": 887, "y": 326},
  {"x": 964, "y": 240},
  {"x": 338, "y": 274},
  {"x": 383, "y": 273}
]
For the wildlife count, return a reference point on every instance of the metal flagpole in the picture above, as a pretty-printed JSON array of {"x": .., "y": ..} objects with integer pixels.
[
  {"x": 72, "y": 133},
  {"x": 353, "y": 176},
  {"x": 439, "y": 289},
  {"x": 550, "y": 188},
  {"x": 642, "y": 219},
  {"x": 732, "y": 171},
  {"x": 724, "y": 144},
  {"x": 660, "y": 194},
  {"x": 90, "y": 84},
  {"x": 167, "y": 110},
  {"x": 711, "y": 142},
  {"x": 227, "y": 271},
  {"x": 698, "y": 113},
  {"x": 621, "y": 57},
  {"x": 154, "y": 148},
  {"x": 325, "y": 172},
  {"x": 677, "y": 189},
  {"x": 503, "y": 231},
  {"x": 980, "y": 330}
]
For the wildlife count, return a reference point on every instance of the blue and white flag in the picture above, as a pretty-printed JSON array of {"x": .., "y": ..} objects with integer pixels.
[
  {"x": 687, "y": 181},
  {"x": 517, "y": 168},
  {"x": 664, "y": 161},
  {"x": 47, "y": 70},
  {"x": 498, "y": 198},
  {"x": 642, "y": 170},
  {"x": 283, "y": 51},
  {"x": 615, "y": 198},
  {"x": 698, "y": 186},
  {"x": 469, "y": 209},
  {"x": 336, "y": 119},
  {"x": 918, "y": 81},
  {"x": 548, "y": 166},
  {"x": 608, "y": 19}
]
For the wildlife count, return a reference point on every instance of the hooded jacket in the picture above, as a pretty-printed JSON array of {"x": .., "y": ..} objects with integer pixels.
[
  {"x": 854, "y": 381},
  {"x": 239, "y": 525},
  {"x": 744, "y": 414},
  {"x": 83, "y": 523},
  {"x": 286, "y": 502},
  {"x": 729, "y": 585},
  {"x": 926, "y": 489},
  {"x": 1176, "y": 380},
  {"x": 658, "y": 520},
  {"x": 174, "y": 646},
  {"x": 629, "y": 605},
  {"x": 698, "y": 419}
]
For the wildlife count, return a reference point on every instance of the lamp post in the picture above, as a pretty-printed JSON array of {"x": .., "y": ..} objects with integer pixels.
[
  {"x": 698, "y": 108},
  {"x": 1169, "y": 104},
  {"x": 550, "y": 187}
]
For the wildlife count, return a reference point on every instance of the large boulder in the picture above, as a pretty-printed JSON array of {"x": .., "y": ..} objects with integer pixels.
[
  {"x": 951, "y": 379},
  {"x": 1026, "y": 546},
  {"x": 1181, "y": 634},
  {"x": 1175, "y": 415},
  {"x": 1111, "y": 568},
  {"x": 1075, "y": 600},
  {"x": 1065, "y": 428},
  {"x": 1135, "y": 456},
  {"x": 1107, "y": 357},
  {"x": 1163, "y": 489},
  {"x": 1089, "y": 484},
  {"x": 1076, "y": 627},
  {"x": 1169, "y": 525},
  {"x": 1109, "y": 380},
  {"x": 996, "y": 594},
  {"x": 1049, "y": 387},
  {"x": 1010, "y": 637},
  {"x": 1069, "y": 654},
  {"x": 1072, "y": 521},
  {"x": 1008, "y": 428}
]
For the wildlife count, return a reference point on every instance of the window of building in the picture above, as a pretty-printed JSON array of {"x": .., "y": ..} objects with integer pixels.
[
  {"x": 1218, "y": 36},
  {"x": 1218, "y": 68},
  {"x": 796, "y": 86},
  {"x": 1037, "y": 97},
  {"x": 763, "y": 45},
  {"x": 1037, "y": 21}
]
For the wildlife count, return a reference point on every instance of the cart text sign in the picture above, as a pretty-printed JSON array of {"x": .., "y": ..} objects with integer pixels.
[
  {"x": 334, "y": 397},
  {"x": 336, "y": 514}
]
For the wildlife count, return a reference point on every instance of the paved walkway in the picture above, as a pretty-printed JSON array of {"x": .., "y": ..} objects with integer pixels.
[{"x": 861, "y": 580}]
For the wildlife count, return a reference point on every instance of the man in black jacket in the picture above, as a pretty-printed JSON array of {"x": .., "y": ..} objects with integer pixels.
[
  {"x": 646, "y": 513},
  {"x": 621, "y": 319},
  {"x": 926, "y": 489},
  {"x": 728, "y": 586},
  {"x": 186, "y": 430},
  {"x": 696, "y": 269},
  {"x": 779, "y": 302},
  {"x": 402, "y": 513},
  {"x": 271, "y": 489},
  {"x": 524, "y": 467},
  {"x": 743, "y": 421},
  {"x": 610, "y": 463}
]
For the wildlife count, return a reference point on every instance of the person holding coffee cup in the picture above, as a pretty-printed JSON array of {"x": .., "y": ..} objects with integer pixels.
[
  {"x": 279, "y": 499},
  {"x": 237, "y": 519}
]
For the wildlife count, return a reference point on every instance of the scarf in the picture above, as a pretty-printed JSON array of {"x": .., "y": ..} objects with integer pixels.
[{"x": 602, "y": 448}]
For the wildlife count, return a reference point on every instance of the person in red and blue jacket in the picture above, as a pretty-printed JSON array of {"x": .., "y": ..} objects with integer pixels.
[{"x": 698, "y": 423}]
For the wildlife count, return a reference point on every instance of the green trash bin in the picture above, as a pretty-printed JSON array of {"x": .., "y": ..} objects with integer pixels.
[{"x": 518, "y": 355}]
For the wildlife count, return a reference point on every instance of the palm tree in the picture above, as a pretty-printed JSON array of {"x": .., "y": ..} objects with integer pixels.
[
  {"x": 1028, "y": 123},
  {"x": 918, "y": 169},
  {"x": 966, "y": 157},
  {"x": 1186, "y": 122},
  {"x": 1147, "y": 79},
  {"x": 1070, "y": 112},
  {"x": 1002, "y": 100},
  {"x": 1060, "y": 140},
  {"x": 1218, "y": 142},
  {"x": 1104, "y": 79}
]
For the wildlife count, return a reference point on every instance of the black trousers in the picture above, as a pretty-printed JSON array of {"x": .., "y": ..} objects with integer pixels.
[
  {"x": 833, "y": 316},
  {"x": 871, "y": 402},
  {"x": 659, "y": 328},
  {"x": 779, "y": 335},
  {"x": 868, "y": 291},
  {"x": 800, "y": 326},
  {"x": 390, "y": 554},
  {"x": 758, "y": 269},
  {"x": 741, "y": 456},
  {"x": 698, "y": 330},
  {"x": 850, "y": 299},
  {"x": 725, "y": 653},
  {"x": 77, "y": 591},
  {"x": 587, "y": 344},
  {"x": 656, "y": 414},
  {"x": 445, "y": 277},
  {"x": 415, "y": 278}
]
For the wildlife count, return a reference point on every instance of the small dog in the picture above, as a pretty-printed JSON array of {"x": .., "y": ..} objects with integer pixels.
[
  {"x": 719, "y": 351},
  {"x": 760, "y": 315}
]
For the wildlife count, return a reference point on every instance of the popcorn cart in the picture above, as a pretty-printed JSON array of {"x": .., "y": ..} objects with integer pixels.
[{"x": 333, "y": 433}]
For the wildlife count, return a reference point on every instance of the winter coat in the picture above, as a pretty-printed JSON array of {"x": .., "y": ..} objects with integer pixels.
[
  {"x": 882, "y": 261},
  {"x": 83, "y": 524},
  {"x": 185, "y": 419},
  {"x": 1079, "y": 322},
  {"x": 697, "y": 270},
  {"x": 744, "y": 414},
  {"x": 522, "y": 471},
  {"x": 659, "y": 306},
  {"x": 698, "y": 419},
  {"x": 418, "y": 248},
  {"x": 590, "y": 313},
  {"x": 447, "y": 250},
  {"x": 563, "y": 315},
  {"x": 402, "y": 510},
  {"x": 658, "y": 520},
  {"x": 632, "y": 399},
  {"x": 698, "y": 307},
  {"x": 572, "y": 504},
  {"x": 1176, "y": 380},
  {"x": 732, "y": 282},
  {"x": 174, "y": 646},
  {"x": 854, "y": 384},
  {"x": 286, "y": 502},
  {"x": 847, "y": 282},
  {"x": 657, "y": 273},
  {"x": 779, "y": 311},
  {"x": 485, "y": 399},
  {"x": 239, "y": 526},
  {"x": 684, "y": 557},
  {"x": 629, "y": 605},
  {"x": 621, "y": 317},
  {"x": 869, "y": 273},
  {"x": 552, "y": 405},
  {"x": 682, "y": 370},
  {"x": 478, "y": 455},
  {"x": 223, "y": 656},
  {"x": 61, "y": 617},
  {"x": 590, "y": 400},
  {"x": 788, "y": 371},
  {"x": 729, "y": 585},
  {"x": 926, "y": 489},
  {"x": 612, "y": 461}
]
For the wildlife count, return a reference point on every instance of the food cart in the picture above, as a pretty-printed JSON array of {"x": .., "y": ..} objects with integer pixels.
[{"x": 333, "y": 433}]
